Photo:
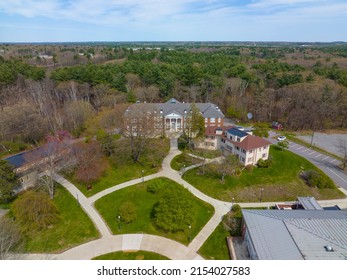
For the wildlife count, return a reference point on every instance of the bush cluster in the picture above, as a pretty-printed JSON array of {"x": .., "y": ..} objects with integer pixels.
[
  {"x": 264, "y": 163},
  {"x": 315, "y": 179}
]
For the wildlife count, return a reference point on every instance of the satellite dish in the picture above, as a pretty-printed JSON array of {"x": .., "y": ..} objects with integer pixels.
[{"x": 249, "y": 116}]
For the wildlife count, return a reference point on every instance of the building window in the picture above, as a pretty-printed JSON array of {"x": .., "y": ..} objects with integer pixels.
[
  {"x": 238, "y": 139},
  {"x": 219, "y": 119},
  {"x": 242, "y": 159},
  {"x": 250, "y": 151},
  {"x": 264, "y": 155},
  {"x": 264, "y": 148},
  {"x": 243, "y": 151},
  {"x": 212, "y": 120},
  {"x": 238, "y": 148},
  {"x": 206, "y": 120}
]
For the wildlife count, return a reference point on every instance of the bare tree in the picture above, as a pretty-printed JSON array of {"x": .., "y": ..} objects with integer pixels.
[
  {"x": 55, "y": 155},
  {"x": 9, "y": 238},
  {"x": 342, "y": 147},
  {"x": 139, "y": 127}
]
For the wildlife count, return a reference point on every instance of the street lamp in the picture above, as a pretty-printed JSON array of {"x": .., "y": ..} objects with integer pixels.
[
  {"x": 118, "y": 223},
  {"x": 232, "y": 202},
  {"x": 189, "y": 237},
  {"x": 143, "y": 178},
  {"x": 261, "y": 194}
]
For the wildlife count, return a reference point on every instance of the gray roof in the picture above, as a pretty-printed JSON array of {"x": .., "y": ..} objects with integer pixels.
[
  {"x": 309, "y": 203},
  {"x": 208, "y": 110},
  {"x": 297, "y": 234},
  {"x": 237, "y": 132}
]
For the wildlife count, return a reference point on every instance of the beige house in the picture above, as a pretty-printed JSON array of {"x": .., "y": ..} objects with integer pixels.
[{"x": 247, "y": 148}]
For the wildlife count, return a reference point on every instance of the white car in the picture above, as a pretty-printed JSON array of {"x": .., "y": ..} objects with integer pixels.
[{"x": 281, "y": 138}]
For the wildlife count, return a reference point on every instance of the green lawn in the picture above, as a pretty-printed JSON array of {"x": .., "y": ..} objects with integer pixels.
[
  {"x": 215, "y": 247},
  {"x": 209, "y": 154},
  {"x": 281, "y": 181},
  {"x": 108, "y": 207},
  {"x": 121, "y": 171},
  {"x": 74, "y": 227},
  {"x": 137, "y": 255},
  {"x": 183, "y": 160}
]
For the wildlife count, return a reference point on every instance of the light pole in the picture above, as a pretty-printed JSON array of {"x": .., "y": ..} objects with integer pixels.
[
  {"x": 261, "y": 194},
  {"x": 118, "y": 223},
  {"x": 232, "y": 202},
  {"x": 143, "y": 177},
  {"x": 189, "y": 228},
  {"x": 312, "y": 138}
]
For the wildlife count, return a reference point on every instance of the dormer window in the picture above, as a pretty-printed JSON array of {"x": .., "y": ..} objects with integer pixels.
[
  {"x": 185, "y": 111},
  {"x": 161, "y": 111}
]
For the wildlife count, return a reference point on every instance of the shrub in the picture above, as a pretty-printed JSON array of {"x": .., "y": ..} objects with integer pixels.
[
  {"x": 127, "y": 212},
  {"x": 315, "y": 179},
  {"x": 264, "y": 163},
  {"x": 173, "y": 212},
  {"x": 232, "y": 223},
  {"x": 35, "y": 210}
]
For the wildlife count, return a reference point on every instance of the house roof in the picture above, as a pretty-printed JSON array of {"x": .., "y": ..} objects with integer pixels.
[
  {"x": 250, "y": 142},
  {"x": 297, "y": 234},
  {"x": 212, "y": 130},
  {"x": 17, "y": 160},
  {"x": 208, "y": 110},
  {"x": 237, "y": 132}
]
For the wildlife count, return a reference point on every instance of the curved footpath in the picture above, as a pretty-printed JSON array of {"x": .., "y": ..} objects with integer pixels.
[{"x": 174, "y": 250}]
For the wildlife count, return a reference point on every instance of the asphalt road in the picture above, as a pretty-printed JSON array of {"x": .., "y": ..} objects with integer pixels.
[{"x": 326, "y": 163}]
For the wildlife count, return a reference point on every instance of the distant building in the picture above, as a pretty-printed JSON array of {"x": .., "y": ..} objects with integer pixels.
[
  {"x": 296, "y": 235},
  {"x": 171, "y": 116},
  {"x": 277, "y": 126}
]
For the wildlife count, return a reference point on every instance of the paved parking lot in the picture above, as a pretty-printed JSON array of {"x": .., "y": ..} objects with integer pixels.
[
  {"x": 325, "y": 141},
  {"x": 326, "y": 163}
]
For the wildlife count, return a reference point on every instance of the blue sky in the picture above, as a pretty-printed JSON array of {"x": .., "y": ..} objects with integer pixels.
[{"x": 172, "y": 20}]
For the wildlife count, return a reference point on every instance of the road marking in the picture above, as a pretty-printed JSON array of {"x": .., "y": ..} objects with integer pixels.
[
  {"x": 333, "y": 161},
  {"x": 337, "y": 175},
  {"x": 312, "y": 153},
  {"x": 305, "y": 150},
  {"x": 299, "y": 148},
  {"x": 318, "y": 155},
  {"x": 325, "y": 158}
]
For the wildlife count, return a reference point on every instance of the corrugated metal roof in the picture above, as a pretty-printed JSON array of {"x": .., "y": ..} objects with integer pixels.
[
  {"x": 306, "y": 230},
  {"x": 309, "y": 203},
  {"x": 271, "y": 238}
]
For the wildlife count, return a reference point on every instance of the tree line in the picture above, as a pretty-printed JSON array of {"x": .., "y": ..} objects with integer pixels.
[{"x": 35, "y": 100}]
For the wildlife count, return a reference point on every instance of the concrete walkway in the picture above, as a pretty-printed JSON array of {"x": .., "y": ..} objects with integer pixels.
[{"x": 110, "y": 243}]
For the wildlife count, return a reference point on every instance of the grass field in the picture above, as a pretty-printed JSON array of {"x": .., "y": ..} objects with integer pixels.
[
  {"x": 73, "y": 228},
  {"x": 215, "y": 247},
  {"x": 280, "y": 182},
  {"x": 108, "y": 207},
  {"x": 183, "y": 160},
  {"x": 137, "y": 255}
]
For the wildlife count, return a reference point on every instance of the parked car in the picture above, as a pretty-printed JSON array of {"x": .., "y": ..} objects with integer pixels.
[{"x": 281, "y": 138}]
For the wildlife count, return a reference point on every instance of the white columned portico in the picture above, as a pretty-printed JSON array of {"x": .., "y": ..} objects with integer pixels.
[{"x": 173, "y": 122}]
